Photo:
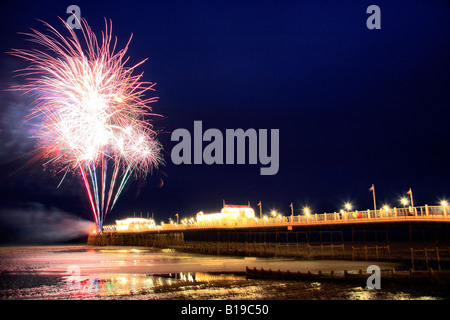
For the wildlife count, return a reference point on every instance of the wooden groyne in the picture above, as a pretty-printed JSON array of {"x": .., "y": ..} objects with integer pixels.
[{"x": 360, "y": 277}]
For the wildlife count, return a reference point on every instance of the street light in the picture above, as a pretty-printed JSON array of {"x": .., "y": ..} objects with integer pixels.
[
  {"x": 348, "y": 206},
  {"x": 444, "y": 204},
  {"x": 404, "y": 201},
  {"x": 306, "y": 211}
]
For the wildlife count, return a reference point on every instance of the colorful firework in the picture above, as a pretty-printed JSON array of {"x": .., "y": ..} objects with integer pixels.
[{"x": 92, "y": 111}]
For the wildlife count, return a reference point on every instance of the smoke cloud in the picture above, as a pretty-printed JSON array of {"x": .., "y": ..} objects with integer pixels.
[{"x": 33, "y": 223}]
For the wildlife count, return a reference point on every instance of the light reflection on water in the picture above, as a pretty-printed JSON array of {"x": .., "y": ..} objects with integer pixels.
[
  {"x": 230, "y": 287},
  {"x": 141, "y": 284},
  {"x": 132, "y": 250},
  {"x": 144, "y": 273}
]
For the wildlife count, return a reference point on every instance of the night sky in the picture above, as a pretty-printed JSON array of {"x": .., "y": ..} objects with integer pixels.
[{"x": 354, "y": 107}]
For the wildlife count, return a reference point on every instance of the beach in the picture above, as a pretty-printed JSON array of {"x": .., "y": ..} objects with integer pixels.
[{"x": 71, "y": 272}]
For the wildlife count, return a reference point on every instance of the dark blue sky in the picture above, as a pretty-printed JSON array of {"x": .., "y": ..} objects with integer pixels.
[{"x": 354, "y": 107}]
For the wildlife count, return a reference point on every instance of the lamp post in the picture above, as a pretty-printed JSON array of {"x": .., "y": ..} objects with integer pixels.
[
  {"x": 404, "y": 201},
  {"x": 274, "y": 214},
  {"x": 306, "y": 211},
  {"x": 348, "y": 207},
  {"x": 444, "y": 204},
  {"x": 386, "y": 208}
]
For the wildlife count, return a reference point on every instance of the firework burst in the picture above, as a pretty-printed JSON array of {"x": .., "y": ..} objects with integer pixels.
[{"x": 92, "y": 111}]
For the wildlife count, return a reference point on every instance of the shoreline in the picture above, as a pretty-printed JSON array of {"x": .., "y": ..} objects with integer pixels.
[
  {"x": 41, "y": 272},
  {"x": 178, "y": 261}
]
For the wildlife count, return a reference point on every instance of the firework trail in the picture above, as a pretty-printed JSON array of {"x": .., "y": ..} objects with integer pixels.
[{"x": 92, "y": 111}]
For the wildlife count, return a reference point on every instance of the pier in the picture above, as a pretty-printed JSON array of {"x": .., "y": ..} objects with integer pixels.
[{"x": 419, "y": 235}]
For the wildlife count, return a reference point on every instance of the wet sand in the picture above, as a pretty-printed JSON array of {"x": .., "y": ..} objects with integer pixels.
[
  {"x": 84, "y": 272},
  {"x": 138, "y": 260}
]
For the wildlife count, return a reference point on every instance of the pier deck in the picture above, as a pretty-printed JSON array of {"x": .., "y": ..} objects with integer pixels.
[{"x": 419, "y": 235}]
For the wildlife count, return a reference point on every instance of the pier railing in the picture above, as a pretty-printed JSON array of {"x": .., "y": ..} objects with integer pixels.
[
  {"x": 385, "y": 214},
  {"x": 409, "y": 213}
]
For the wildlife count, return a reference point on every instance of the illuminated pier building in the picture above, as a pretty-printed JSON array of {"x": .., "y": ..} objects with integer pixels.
[{"x": 229, "y": 215}]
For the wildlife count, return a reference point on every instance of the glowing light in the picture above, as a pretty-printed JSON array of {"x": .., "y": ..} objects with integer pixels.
[
  {"x": 348, "y": 206},
  {"x": 306, "y": 211},
  {"x": 135, "y": 224},
  {"x": 94, "y": 119},
  {"x": 444, "y": 203},
  {"x": 404, "y": 201},
  {"x": 227, "y": 214}
]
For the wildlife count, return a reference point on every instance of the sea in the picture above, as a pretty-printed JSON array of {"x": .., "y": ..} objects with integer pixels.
[{"x": 81, "y": 272}]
